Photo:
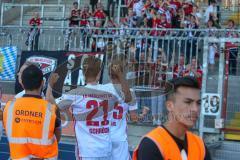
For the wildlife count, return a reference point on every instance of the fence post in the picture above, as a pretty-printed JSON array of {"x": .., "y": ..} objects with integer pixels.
[
  {"x": 1, "y": 23},
  {"x": 119, "y": 10},
  {"x": 204, "y": 84},
  {"x": 63, "y": 15},
  {"x": 42, "y": 11},
  {"x": 21, "y": 16},
  {"x": 226, "y": 76}
]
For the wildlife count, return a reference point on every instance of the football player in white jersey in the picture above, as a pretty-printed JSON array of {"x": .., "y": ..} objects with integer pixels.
[
  {"x": 118, "y": 128},
  {"x": 92, "y": 110}
]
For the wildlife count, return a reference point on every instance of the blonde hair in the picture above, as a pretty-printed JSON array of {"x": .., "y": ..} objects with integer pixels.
[{"x": 91, "y": 67}]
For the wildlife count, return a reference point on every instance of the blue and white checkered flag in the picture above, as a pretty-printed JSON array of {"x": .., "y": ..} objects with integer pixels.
[{"x": 8, "y": 58}]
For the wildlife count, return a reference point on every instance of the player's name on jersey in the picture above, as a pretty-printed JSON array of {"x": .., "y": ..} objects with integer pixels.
[
  {"x": 97, "y": 96},
  {"x": 99, "y": 130}
]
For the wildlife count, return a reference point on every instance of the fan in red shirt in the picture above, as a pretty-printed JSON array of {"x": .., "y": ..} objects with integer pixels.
[
  {"x": 158, "y": 72},
  {"x": 176, "y": 3},
  {"x": 179, "y": 69},
  {"x": 142, "y": 71},
  {"x": 34, "y": 33},
  {"x": 156, "y": 21},
  {"x": 110, "y": 24},
  {"x": 163, "y": 24},
  {"x": 194, "y": 70},
  {"x": 75, "y": 13},
  {"x": 188, "y": 7},
  {"x": 99, "y": 13},
  {"x": 158, "y": 5},
  {"x": 147, "y": 6},
  {"x": 232, "y": 48},
  {"x": 35, "y": 21},
  {"x": 85, "y": 15},
  {"x": 130, "y": 3}
]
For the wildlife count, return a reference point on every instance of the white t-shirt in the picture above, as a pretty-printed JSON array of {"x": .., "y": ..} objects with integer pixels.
[
  {"x": 210, "y": 9},
  {"x": 137, "y": 8},
  {"x": 93, "y": 117},
  {"x": 20, "y": 94},
  {"x": 119, "y": 122}
]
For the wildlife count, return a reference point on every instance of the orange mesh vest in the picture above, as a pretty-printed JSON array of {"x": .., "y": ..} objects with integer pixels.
[
  {"x": 169, "y": 149},
  {"x": 29, "y": 124}
]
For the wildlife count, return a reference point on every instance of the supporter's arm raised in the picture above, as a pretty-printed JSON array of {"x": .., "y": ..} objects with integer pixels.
[
  {"x": 52, "y": 80},
  {"x": 124, "y": 84}
]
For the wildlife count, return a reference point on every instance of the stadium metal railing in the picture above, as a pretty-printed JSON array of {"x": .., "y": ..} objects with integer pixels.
[{"x": 142, "y": 47}]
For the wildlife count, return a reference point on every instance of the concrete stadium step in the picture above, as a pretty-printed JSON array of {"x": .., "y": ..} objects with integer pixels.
[
  {"x": 46, "y": 13},
  {"x": 227, "y": 155},
  {"x": 231, "y": 145},
  {"x": 217, "y": 159},
  {"x": 237, "y": 115},
  {"x": 234, "y": 90},
  {"x": 7, "y": 87},
  {"x": 135, "y": 133},
  {"x": 235, "y": 122},
  {"x": 226, "y": 15},
  {"x": 234, "y": 107},
  {"x": 232, "y": 129}
]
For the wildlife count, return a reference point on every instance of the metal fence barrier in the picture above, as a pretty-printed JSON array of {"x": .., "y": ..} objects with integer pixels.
[{"x": 153, "y": 56}]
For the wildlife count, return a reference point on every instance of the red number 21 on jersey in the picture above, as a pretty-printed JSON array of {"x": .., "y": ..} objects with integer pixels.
[{"x": 95, "y": 105}]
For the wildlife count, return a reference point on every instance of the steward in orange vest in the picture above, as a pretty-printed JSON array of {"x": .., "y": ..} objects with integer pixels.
[
  {"x": 173, "y": 141},
  {"x": 30, "y": 122}
]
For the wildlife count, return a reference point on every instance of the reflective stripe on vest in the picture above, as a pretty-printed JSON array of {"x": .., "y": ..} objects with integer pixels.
[
  {"x": 31, "y": 156},
  {"x": 43, "y": 141}
]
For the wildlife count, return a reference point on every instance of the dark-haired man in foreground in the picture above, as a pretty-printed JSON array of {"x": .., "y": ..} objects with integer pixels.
[{"x": 173, "y": 140}]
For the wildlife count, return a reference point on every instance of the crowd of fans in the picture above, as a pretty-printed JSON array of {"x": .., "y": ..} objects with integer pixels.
[
  {"x": 153, "y": 60},
  {"x": 151, "y": 18},
  {"x": 147, "y": 13}
]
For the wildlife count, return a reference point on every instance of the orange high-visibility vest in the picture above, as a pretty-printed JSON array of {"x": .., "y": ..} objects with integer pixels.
[
  {"x": 169, "y": 149},
  {"x": 29, "y": 123}
]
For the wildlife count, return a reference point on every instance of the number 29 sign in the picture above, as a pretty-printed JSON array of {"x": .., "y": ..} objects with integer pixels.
[{"x": 211, "y": 104}]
